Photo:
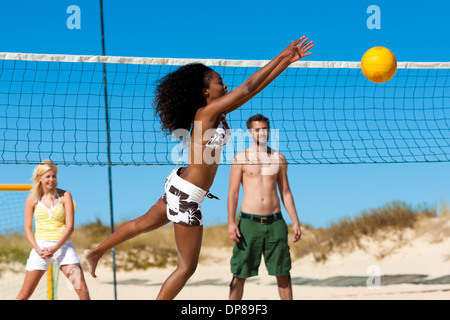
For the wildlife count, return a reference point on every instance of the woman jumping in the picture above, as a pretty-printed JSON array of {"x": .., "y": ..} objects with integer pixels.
[{"x": 194, "y": 98}]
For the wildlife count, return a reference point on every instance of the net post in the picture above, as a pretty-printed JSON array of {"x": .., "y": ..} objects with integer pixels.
[
  {"x": 108, "y": 146},
  {"x": 50, "y": 283},
  {"x": 15, "y": 187}
]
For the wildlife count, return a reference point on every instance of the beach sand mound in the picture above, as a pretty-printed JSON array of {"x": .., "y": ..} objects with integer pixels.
[
  {"x": 406, "y": 264},
  {"x": 411, "y": 264}
]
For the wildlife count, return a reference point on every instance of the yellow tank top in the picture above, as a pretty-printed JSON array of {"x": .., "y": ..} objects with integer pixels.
[{"x": 50, "y": 223}]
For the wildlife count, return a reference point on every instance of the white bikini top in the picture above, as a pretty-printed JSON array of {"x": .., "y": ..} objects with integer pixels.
[{"x": 220, "y": 137}]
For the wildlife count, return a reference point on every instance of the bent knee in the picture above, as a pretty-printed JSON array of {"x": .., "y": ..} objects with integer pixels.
[{"x": 188, "y": 269}]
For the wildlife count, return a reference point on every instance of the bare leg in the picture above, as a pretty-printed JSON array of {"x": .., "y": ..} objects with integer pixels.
[
  {"x": 285, "y": 287},
  {"x": 189, "y": 242},
  {"x": 237, "y": 288},
  {"x": 30, "y": 283},
  {"x": 74, "y": 273},
  {"x": 153, "y": 219}
]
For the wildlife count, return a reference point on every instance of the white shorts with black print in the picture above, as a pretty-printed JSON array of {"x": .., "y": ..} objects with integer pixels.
[{"x": 183, "y": 200}]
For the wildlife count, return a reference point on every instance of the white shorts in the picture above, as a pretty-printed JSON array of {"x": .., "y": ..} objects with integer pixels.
[
  {"x": 183, "y": 200},
  {"x": 63, "y": 256}
]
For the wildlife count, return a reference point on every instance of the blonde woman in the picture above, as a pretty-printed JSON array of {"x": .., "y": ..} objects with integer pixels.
[{"x": 53, "y": 212}]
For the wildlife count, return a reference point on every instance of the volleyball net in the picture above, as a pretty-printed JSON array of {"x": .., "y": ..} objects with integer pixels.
[{"x": 54, "y": 106}]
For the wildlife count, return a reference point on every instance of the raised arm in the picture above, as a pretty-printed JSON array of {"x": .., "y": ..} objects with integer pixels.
[{"x": 295, "y": 51}]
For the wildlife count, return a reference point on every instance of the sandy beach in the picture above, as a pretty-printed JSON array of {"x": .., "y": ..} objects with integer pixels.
[
  {"x": 406, "y": 265},
  {"x": 397, "y": 266}
]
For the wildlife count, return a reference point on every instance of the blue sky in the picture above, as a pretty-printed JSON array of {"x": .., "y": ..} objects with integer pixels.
[{"x": 237, "y": 30}]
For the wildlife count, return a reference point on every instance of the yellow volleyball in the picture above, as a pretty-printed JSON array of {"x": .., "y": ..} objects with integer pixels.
[{"x": 378, "y": 64}]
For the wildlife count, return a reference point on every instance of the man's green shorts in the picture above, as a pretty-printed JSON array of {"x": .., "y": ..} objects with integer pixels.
[{"x": 270, "y": 240}]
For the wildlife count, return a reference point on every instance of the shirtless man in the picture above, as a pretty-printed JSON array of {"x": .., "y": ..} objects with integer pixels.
[{"x": 262, "y": 229}]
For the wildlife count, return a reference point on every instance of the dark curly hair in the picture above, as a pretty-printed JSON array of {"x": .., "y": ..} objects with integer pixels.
[{"x": 179, "y": 95}]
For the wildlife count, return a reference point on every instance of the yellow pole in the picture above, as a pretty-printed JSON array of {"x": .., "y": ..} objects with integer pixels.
[
  {"x": 15, "y": 187},
  {"x": 50, "y": 282},
  {"x": 22, "y": 187}
]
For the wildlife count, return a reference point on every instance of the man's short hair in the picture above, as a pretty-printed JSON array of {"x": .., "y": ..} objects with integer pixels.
[{"x": 257, "y": 117}]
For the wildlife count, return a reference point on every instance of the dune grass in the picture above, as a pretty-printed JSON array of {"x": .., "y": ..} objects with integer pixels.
[
  {"x": 13, "y": 247},
  {"x": 347, "y": 232},
  {"x": 158, "y": 249}
]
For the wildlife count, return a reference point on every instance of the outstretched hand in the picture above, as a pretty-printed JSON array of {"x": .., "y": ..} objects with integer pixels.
[{"x": 298, "y": 49}]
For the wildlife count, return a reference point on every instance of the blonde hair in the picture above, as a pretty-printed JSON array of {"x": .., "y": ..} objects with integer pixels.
[{"x": 37, "y": 189}]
